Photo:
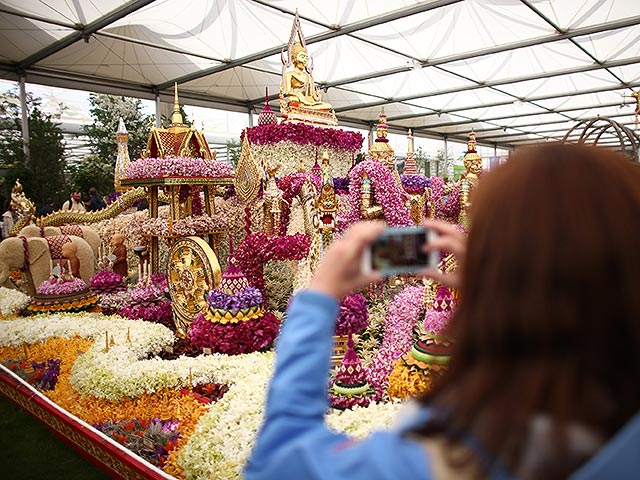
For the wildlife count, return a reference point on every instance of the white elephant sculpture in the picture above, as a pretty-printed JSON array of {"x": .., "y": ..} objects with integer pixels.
[
  {"x": 88, "y": 233},
  {"x": 12, "y": 256}
]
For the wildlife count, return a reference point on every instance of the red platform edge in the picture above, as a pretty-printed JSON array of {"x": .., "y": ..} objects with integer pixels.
[{"x": 106, "y": 453}]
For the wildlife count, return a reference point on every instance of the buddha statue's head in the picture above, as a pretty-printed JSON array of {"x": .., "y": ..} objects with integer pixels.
[{"x": 299, "y": 55}]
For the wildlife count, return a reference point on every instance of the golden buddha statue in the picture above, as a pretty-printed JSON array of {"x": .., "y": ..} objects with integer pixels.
[
  {"x": 299, "y": 85},
  {"x": 300, "y": 99}
]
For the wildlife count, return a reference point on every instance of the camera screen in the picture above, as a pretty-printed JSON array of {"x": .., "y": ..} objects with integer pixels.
[{"x": 399, "y": 250}]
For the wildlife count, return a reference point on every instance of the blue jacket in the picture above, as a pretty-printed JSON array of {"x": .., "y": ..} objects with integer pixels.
[{"x": 295, "y": 443}]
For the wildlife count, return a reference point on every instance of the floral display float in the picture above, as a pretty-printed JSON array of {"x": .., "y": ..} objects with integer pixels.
[
  {"x": 414, "y": 373},
  {"x": 350, "y": 387},
  {"x": 235, "y": 321}
]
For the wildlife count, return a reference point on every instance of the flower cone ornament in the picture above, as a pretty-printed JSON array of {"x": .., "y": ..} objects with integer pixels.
[
  {"x": 350, "y": 387},
  {"x": 267, "y": 116}
]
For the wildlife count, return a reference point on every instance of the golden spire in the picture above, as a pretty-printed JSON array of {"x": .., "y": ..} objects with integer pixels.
[
  {"x": 176, "y": 116},
  {"x": 471, "y": 145},
  {"x": 410, "y": 167},
  {"x": 381, "y": 150}
]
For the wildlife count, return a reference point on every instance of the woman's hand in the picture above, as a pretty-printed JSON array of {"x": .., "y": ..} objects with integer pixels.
[
  {"x": 450, "y": 240},
  {"x": 339, "y": 271}
]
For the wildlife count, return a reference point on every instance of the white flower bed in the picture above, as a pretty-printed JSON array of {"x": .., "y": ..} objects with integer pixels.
[{"x": 12, "y": 301}]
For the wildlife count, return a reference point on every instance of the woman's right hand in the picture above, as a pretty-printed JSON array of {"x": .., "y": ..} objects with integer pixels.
[
  {"x": 449, "y": 239},
  {"x": 340, "y": 270}
]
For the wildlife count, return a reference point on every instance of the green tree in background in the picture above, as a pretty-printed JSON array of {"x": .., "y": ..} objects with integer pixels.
[
  {"x": 96, "y": 170},
  {"x": 234, "y": 147},
  {"x": 423, "y": 162},
  {"x": 442, "y": 165},
  {"x": 43, "y": 175}
]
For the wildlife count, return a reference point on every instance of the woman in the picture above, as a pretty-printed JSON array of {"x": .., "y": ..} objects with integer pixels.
[{"x": 543, "y": 381}]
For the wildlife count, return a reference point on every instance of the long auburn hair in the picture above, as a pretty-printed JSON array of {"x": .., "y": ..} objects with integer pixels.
[{"x": 549, "y": 318}]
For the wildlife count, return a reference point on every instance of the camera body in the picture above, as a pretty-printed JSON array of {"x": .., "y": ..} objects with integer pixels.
[{"x": 400, "y": 250}]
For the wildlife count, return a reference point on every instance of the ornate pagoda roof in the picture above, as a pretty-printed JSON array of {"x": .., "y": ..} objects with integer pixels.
[{"x": 178, "y": 139}]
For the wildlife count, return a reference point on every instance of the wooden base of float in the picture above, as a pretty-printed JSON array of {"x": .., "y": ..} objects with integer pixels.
[{"x": 107, "y": 454}]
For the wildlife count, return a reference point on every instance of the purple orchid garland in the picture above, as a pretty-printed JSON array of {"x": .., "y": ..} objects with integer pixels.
[
  {"x": 416, "y": 184},
  {"x": 249, "y": 297}
]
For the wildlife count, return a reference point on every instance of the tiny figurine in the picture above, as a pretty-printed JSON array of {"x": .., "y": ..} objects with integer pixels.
[{"x": 119, "y": 254}]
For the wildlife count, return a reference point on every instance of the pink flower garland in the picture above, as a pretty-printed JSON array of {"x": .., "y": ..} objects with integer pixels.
[
  {"x": 304, "y": 134},
  {"x": 446, "y": 207},
  {"x": 147, "y": 168},
  {"x": 386, "y": 191},
  {"x": 256, "y": 249},
  {"x": 107, "y": 281},
  {"x": 236, "y": 338},
  {"x": 290, "y": 186},
  {"x": 159, "y": 312},
  {"x": 402, "y": 315},
  {"x": 53, "y": 288},
  {"x": 353, "y": 316},
  {"x": 436, "y": 322}
]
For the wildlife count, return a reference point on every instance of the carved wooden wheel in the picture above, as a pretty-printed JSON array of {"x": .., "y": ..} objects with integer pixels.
[{"x": 192, "y": 272}]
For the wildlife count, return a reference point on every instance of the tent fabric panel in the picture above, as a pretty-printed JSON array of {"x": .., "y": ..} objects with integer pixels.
[{"x": 459, "y": 28}]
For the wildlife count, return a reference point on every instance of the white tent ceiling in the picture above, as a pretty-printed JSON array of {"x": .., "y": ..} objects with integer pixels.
[{"x": 516, "y": 71}]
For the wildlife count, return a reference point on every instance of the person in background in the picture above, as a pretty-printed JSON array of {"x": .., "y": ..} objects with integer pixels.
[
  {"x": 75, "y": 203},
  {"x": 95, "y": 201},
  {"x": 542, "y": 382},
  {"x": 46, "y": 209},
  {"x": 9, "y": 218}
]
